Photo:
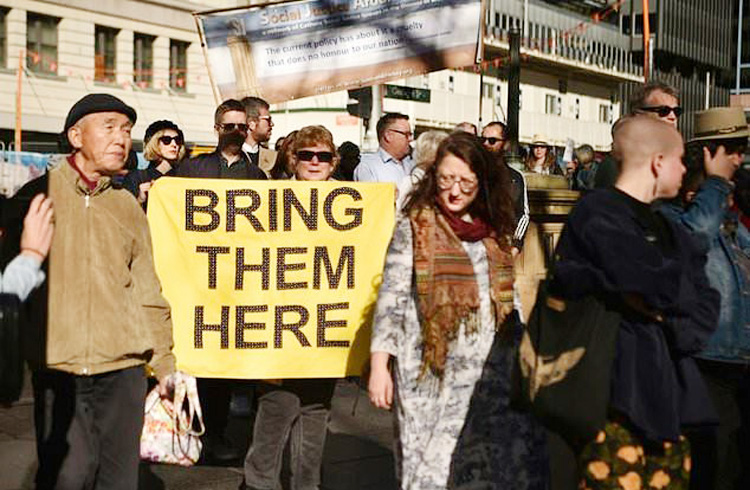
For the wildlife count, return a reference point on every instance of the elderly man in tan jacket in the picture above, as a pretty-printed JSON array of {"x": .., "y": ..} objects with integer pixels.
[{"x": 101, "y": 317}]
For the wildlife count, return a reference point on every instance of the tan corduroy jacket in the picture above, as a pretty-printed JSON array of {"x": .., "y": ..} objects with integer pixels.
[{"x": 105, "y": 307}]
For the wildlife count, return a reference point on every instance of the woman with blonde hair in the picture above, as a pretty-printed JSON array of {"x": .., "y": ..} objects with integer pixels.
[
  {"x": 164, "y": 149},
  {"x": 445, "y": 322},
  {"x": 540, "y": 159}
]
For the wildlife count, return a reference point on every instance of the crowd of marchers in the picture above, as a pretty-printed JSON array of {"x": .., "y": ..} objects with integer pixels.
[{"x": 659, "y": 234}]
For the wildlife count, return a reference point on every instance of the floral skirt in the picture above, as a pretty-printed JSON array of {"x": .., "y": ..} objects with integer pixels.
[{"x": 616, "y": 459}]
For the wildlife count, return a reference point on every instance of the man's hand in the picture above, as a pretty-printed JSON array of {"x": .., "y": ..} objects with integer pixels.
[
  {"x": 721, "y": 164},
  {"x": 38, "y": 228}
]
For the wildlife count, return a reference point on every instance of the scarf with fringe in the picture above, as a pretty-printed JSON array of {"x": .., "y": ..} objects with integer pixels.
[{"x": 447, "y": 289}]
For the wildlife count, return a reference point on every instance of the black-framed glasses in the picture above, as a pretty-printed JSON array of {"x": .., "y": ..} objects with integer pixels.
[
  {"x": 663, "y": 110},
  {"x": 267, "y": 118},
  {"x": 232, "y": 126},
  {"x": 446, "y": 182},
  {"x": 491, "y": 140},
  {"x": 307, "y": 156},
  {"x": 408, "y": 134},
  {"x": 167, "y": 140}
]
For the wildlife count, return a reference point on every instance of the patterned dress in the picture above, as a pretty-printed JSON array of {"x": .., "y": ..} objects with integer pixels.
[{"x": 458, "y": 432}]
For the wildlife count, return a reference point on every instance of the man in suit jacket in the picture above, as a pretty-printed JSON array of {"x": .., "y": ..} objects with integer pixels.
[
  {"x": 260, "y": 125},
  {"x": 227, "y": 161}
]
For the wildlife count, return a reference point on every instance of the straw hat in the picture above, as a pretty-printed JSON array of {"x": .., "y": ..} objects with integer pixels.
[
  {"x": 539, "y": 140},
  {"x": 720, "y": 123}
]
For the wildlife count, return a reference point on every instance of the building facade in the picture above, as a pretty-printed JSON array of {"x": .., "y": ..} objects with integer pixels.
[
  {"x": 147, "y": 53},
  {"x": 580, "y": 60}
]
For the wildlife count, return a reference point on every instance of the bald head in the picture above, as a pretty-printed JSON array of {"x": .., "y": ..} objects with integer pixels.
[
  {"x": 638, "y": 138},
  {"x": 650, "y": 152}
]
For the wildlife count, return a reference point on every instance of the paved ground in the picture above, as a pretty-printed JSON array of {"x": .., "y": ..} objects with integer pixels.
[{"x": 357, "y": 454}]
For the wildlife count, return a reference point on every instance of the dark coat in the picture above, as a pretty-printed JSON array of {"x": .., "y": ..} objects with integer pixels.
[
  {"x": 609, "y": 249},
  {"x": 208, "y": 166}
]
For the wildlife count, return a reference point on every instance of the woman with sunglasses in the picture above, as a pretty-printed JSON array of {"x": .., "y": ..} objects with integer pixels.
[
  {"x": 164, "y": 148},
  {"x": 292, "y": 418},
  {"x": 314, "y": 156},
  {"x": 445, "y": 327},
  {"x": 540, "y": 159}
]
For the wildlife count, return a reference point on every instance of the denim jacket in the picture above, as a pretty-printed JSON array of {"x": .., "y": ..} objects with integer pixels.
[{"x": 708, "y": 217}]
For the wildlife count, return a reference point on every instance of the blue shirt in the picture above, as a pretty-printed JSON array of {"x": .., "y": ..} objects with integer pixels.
[{"x": 382, "y": 167}]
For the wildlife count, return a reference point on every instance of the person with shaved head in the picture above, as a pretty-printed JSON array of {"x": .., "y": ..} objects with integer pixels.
[{"x": 617, "y": 248}]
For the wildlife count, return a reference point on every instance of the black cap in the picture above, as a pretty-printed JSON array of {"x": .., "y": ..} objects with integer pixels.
[
  {"x": 93, "y": 103},
  {"x": 157, "y": 126}
]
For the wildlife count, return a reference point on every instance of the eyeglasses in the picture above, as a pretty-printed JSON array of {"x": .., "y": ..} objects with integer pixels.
[
  {"x": 408, "y": 134},
  {"x": 307, "y": 156},
  {"x": 663, "y": 110},
  {"x": 167, "y": 140},
  {"x": 446, "y": 182},
  {"x": 267, "y": 118},
  {"x": 491, "y": 140},
  {"x": 232, "y": 126}
]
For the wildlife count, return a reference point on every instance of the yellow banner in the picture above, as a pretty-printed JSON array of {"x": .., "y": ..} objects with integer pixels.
[{"x": 270, "y": 279}]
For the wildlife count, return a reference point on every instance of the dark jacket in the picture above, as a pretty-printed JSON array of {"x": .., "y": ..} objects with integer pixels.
[
  {"x": 520, "y": 200},
  {"x": 208, "y": 166},
  {"x": 136, "y": 177},
  {"x": 610, "y": 249}
]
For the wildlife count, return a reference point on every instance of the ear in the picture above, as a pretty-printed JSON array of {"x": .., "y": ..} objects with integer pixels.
[
  {"x": 75, "y": 137},
  {"x": 657, "y": 164},
  {"x": 251, "y": 125}
]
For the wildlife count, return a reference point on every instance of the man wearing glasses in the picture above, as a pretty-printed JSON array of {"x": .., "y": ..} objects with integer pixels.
[
  {"x": 260, "y": 125},
  {"x": 656, "y": 99},
  {"x": 494, "y": 140},
  {"x": 227, "y": 161},
  {"x": 392, "y": 161}
]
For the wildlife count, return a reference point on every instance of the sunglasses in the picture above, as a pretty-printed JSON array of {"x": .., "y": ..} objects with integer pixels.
[
  {"x": 663, "y": 110},
  {"x": 307, "y": 156},
  {"x": 167, "y": 140},
  {"x": 491, "y": 140},
  {"x": 232, "y": 126}
]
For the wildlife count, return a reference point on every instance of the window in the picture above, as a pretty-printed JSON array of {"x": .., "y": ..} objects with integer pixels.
[
  {"x": 143, "y": 60},
  {"x": 178, "y": 65},
  {"x": 488, "y": 90},
  {"x": 605, "y": 113},
  {"x": 41, "y": 43},
  {"x": 552, "y": 105},
  {"x": 3, "y": 38},
  {"x": 104, "y": 60}
]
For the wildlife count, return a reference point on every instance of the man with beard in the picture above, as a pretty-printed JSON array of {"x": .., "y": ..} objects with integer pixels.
[
  {"x": 228, "y": 161},
  {"x": 259, "y": 127}
]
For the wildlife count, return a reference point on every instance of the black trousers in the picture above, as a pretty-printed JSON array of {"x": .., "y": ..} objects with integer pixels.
[
  {"x": 88, "y": 429},
  {"x": 721, "y": 457}
]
